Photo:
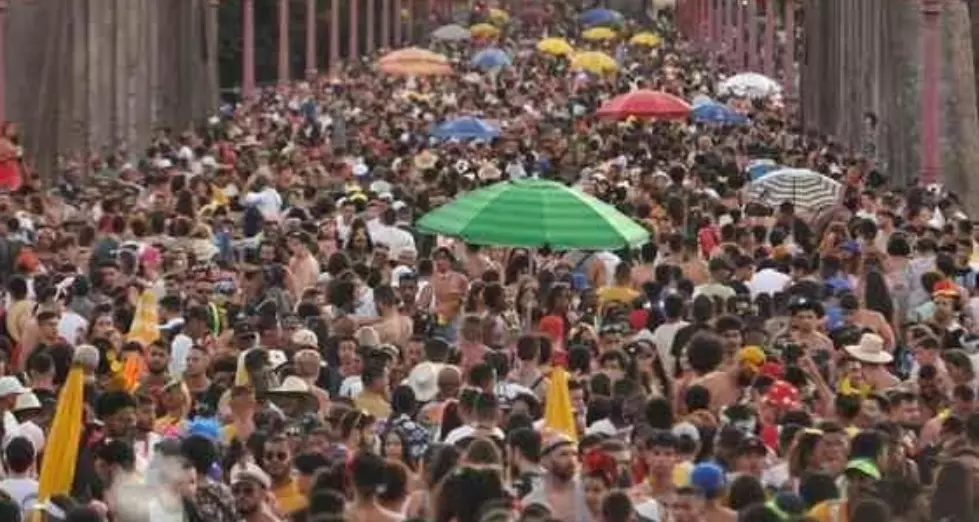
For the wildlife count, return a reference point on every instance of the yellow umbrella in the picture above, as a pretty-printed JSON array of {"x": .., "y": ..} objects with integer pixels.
[
  {"x": 598, "y": 33},
  {"x": 499, "y": 16},
  {"x": 61, "y": 450},
  {"x": 555, "y": 47},
  {"x": 647, "y": 39},
  {"x": 594, "y": 62},
  {"x": 484, "y": 31}
]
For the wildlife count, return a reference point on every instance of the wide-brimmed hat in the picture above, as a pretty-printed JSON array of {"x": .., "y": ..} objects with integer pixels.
[
  {"x": 423, "y": 380},
  {"x": 294, "y": 387},
  {"x": 870, "y": 350}
]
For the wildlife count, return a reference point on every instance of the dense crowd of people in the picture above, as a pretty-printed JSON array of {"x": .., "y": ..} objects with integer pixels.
[{"x": 242, "y": 324}]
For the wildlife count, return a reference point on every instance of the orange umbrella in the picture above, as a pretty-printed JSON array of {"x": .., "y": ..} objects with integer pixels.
[
  {"x": 416, "y": 69},
  {"x": 413, "y": 61},
  {"x": 413, "y": 54}
]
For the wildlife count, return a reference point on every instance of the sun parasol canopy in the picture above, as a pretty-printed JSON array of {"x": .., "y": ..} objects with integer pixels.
[
  {"x": 594, "y": 62},
  {"x": 645, "y": 103},
  {"x": 600, "y": 16},
  {"x": 809, "y": 191},
  {"x": 483, "y": 31},
  {"x": 717, "y": 113},
  {"x": 534, "y": 213},
  {"x": 413, "y": 61},
  {"x": 498, "y": 16},
  {"x": 466, "y": 128},
  {"x": 451, "y": 33},
  {"x": 751, "y": 85},
  {"x": 599, "y": 34},
  {"x": 491, "y": 58},
  {"x": 646, "y": 39},
  {"x": 555, "y": 47}
]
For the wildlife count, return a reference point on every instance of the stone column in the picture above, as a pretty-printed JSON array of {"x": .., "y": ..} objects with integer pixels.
[
  {"x": 4, "y": 4},
  {"x": 370, "y": 28},
  {"x": 753, "y": 35},
  {"x": 248, "y": 51},
  {"x": 769, "y": 44},
  {"x": 310, "y": 39},
  {"x": 353, "y": 53},
  {"x": 429, "y": 17},
  {"x": 788, "y": 56},
  {"x": 386, "y": 23},
  {"x": 707, "y": 23},
  {"x": 399, "y": 25},
  {"x": 931, "y": 11},
  {"x": 738, "y": 35},
  {"x": 214, "y": 76},
  {"x": 729, "y": 31},
  {"x": 283, "y": 19},
  {"x": 334, "y": 35}
]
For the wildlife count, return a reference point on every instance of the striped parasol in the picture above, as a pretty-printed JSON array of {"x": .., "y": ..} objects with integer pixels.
[{"x": 809, "y": 191}]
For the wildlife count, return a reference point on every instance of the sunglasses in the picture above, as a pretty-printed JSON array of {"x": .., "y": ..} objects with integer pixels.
[
  {"x": 276, "y": 455},
  {"x": 243, "y": 489}
]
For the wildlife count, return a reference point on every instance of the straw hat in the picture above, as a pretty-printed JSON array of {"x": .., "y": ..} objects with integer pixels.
[
  {"x": 870, "y": 350},
  {"x": 423, "y": 380},
  {"x": 295, "y": 387}
]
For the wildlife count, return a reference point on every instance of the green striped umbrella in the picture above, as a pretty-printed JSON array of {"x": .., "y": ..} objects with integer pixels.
[{"x": 534, "y": 213}]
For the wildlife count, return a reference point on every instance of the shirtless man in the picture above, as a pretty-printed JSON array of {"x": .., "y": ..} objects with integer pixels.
[
  {"x": 394, "y": 327},
  {"x": 705, "y": 353},
  {"x": 449, "y": 288},
  {"x": 561, "y": 491}
]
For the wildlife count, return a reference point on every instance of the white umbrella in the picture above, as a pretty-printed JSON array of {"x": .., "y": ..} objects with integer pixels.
[
  {"x": 809, "y": 191},
  {"x": 752, "y": 85},
  {"x": 451, "y": 33}
]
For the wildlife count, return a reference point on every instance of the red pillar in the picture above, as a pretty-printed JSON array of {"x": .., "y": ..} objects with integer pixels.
[
  {"x": 430, "y": 17},
  {"x": 386, "y": 24},
  {"x": 770, "y": 21},
  {"x": 717, "y": 28},
  {"x": 371, "y": 43},
  {"x": 353, "y": 52},
  {"x": 399, "y": 24},
  {"x": 729, "y": 31},
  {"x": 3, "y": 62},
  {"x": 738, "y": 35},
  {"x": 788, "y": 56},
  {"x": 283, "y": 41},
  {"x": 753, "y": 35},
  {"x": 310, "y": 39},
  {"x": 708, "y": 24},
  {"x": 248, "y": 51},
  {"x": 930, "y": 118},
  {"x": 334, "y": 35}
]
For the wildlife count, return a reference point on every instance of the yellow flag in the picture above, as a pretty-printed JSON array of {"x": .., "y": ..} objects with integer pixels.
[
  {"x": 241, "y": 373},
  {"x": 557, "y": 405},
  {"x": 61, "y": 450},
  {"x": 146, "y": 320}
]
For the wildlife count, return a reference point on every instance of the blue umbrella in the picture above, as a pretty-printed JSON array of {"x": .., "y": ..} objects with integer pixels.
[
  {"x": 599, "y": 16},
  {"x": 491, "y": 58},
  {"x": 466, "y": 128},
  {"x": 717, "y": 113},
  {"x": 759, "y": 167}
]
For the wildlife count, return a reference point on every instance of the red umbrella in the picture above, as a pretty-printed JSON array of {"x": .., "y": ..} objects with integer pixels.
[{"x": 645, "y": 104}]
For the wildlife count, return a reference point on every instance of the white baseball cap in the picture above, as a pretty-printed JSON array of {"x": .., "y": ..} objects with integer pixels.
[{"x": 11, "y": 386}]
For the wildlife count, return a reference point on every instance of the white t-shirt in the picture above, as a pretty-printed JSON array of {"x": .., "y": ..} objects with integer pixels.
[
  {"x": 663, "y": 338},
  {"x": 22, "y": 490},
  {"x": 72, "y": 327},
  {"x": 351, "y": 386},
  {"x": 268, "y": 202},
  {"x": 768, "y": 281},
  {"x": 467, "y": 431}
]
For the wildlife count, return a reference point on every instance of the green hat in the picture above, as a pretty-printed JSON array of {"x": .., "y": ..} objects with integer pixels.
[{"x": 865, "y": 466}]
